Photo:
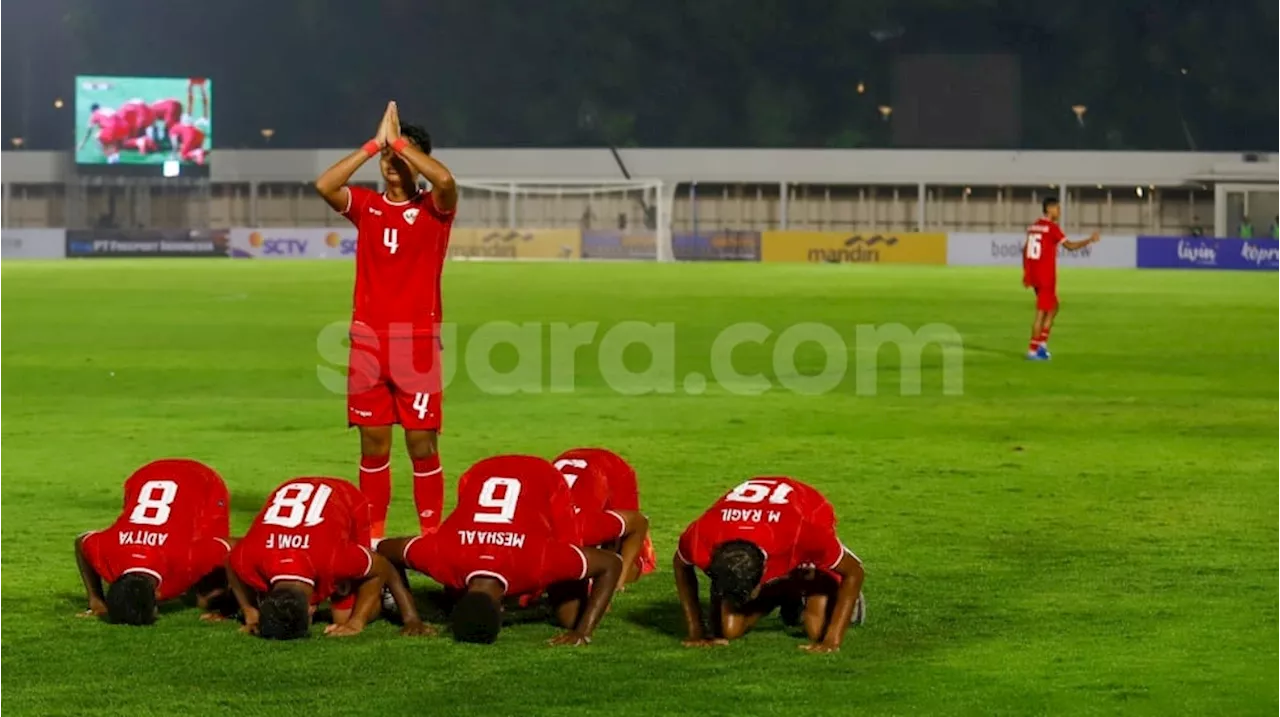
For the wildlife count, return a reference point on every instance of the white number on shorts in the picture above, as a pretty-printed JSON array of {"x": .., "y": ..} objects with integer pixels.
[
  {"x": 293, "y": 498},
  {"x": 574, "y": 463},
  {"x": 755, "y": 491},
  {"x": 422, "y": 404},
  {"x": 505, "y": 505},
  {"x": 153, "y": 502},
  {"x": 391, "y": 239},
  {"x": 1033, "y": 246}
]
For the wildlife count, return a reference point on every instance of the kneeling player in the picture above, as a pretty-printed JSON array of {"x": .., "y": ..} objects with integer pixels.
[
  {"x": 512, "y": 534},
  {"x": 171, "y": 537},
  {"x": 770, "y": 542},
  {"x": 308, "y": 545},
  {"x": 607, "y": 503}
]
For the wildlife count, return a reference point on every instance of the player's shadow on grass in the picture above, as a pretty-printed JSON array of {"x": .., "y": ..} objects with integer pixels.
[{"x": 665, "y": 617}]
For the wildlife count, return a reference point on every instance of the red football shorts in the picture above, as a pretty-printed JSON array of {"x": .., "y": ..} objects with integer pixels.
[
  {"x": 1046, "y": 296},
  {"x": 393, "y": 381},
  {"x": 600, "y": 528}
]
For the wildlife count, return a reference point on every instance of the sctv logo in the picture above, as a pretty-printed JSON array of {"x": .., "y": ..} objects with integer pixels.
[
  {"x": 345, "y": 247},
  {"x": 278, "y": 246}
]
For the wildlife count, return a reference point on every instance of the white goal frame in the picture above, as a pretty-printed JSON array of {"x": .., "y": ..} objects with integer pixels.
[{"x": 660, "y": 193}]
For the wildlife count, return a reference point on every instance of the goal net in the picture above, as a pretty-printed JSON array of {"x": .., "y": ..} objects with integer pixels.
[{"x": 562, "y": 219}]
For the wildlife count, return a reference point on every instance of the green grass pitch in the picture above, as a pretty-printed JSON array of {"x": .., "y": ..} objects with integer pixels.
[{"x": 1095, "y": 535}]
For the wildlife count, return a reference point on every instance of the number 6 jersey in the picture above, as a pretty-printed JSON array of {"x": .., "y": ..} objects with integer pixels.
[
  {"x": 174, "y": 527},
  {"x": 790, "y": 521},
  {"x": 514, "y": 522},
  {"x": 313, "y": 530}
]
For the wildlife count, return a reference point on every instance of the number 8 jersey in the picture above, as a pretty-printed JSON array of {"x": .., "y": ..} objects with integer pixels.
[
  {"x": 313, "y": 530},
  {"x": 174, "y": 527},
  {"x": 790, "y": 521}
]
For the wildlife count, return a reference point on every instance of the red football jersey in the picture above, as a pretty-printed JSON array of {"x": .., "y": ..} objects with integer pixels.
[
  {"x": 591, "y": 474},
  {"x": 137, "y": 114},
  {"x": 174, "y": 527},
  {"x": 400, "y": 253},
  {"x": 790, "y": 521},
  {"x": 514, "y": 521},
  {"x": 1040, "y": 253},
  {"x": 314, "y": 530}
]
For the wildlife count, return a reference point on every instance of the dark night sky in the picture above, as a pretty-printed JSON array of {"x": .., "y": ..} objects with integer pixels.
[{"x": 662, "y": 72}]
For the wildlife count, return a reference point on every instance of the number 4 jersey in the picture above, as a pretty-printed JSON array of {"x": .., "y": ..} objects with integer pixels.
[
  {"x": 174, "y": 527},
  {"x": 313, "y": 530},
  {"x": 790, "y": 521},
  {"x": 514, "y": 522}
]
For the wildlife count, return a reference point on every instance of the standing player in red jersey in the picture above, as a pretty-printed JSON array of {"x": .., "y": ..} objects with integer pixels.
[
  {"x": 769, "y": 542},
  {"x": 1040, "y": 272},
  {"x": 607, "y": 502},
  {"x": 511, "y": 534},
  {"x": 394, "y": 369},
  {"x": 171, "y": 537},
  {"x": 308, "y": 545}
]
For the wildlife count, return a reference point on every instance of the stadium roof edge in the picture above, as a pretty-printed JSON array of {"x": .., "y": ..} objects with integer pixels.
[{"x": 809, "y": 166}]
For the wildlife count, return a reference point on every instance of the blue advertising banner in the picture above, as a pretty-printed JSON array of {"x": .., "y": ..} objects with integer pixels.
[
  {"x": 717, "y": 246},
  {"x": 1208, "y": 253},
  {"x": 613, "y": 244}
]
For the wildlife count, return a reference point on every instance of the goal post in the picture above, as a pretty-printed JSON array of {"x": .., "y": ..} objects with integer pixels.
[{"x": 563, "y": 219}]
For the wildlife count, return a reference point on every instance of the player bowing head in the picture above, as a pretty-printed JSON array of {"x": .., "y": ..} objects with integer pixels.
[
  {"x": 171, "y": 537},
  {"x": 513, "y": 533},
  {"x": 396, "y": 170},
  {"x": 769, "y": 543},
  {"x": 607, "y": 503},
  {"x": 309, "y": 544}
]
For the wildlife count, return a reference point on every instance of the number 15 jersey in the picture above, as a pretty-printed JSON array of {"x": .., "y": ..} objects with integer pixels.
[{"x": 400, "y": 253}]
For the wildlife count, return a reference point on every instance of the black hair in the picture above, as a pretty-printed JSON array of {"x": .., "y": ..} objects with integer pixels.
[
  {"x": 736, "y": 570},
  {"x": 1048, "y": 202},
  {"x": 417, "y": 135},
  {"x": 131, "y": 600},
  {"x": 284, "y": 614},
  {"x": 95, "y": 107},
  {"x": 476, "y": 617}
]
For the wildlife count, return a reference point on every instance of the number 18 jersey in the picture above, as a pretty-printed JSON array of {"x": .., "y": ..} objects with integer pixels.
[
  {"x": 514, "y": 522},
  {"x": 790, "y": 521},
  {"x": 313, "y": 530}
]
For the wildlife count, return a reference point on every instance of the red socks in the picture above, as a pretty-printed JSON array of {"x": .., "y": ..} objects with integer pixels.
[
  {"x": 1044, "y": 335},
  {"x": 375, "y": 483},
  {"x": 428, "y": 491}
]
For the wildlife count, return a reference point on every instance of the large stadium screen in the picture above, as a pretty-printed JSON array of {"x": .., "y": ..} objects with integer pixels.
[{"x": 147, "y": 125}]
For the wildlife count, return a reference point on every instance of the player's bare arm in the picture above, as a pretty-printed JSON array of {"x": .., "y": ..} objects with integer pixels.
[
  {"x": 850, "y": 570},
  {"x": 444, "y": 189},
  {"x": 1081, "y": 243},
  {"x": 412, "y": 625},
  {"x": 368, "y": 601},
  {"x": 245, "y": 599},
  {"x": 92, "y": 583},
  {"x": 633, "y": 537},
  {"x": 604, "y": 569},
  {"x": 687, "y": 590},
  {"x": 332, "y": 183}
]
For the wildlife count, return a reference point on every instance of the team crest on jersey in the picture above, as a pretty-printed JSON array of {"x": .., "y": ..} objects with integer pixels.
[{"x": 411, "y": 214}]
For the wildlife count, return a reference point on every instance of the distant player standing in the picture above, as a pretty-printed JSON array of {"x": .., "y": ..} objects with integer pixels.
[
  {"x": 394, "y": 371},
  {"x": 1040, "y": 272}
]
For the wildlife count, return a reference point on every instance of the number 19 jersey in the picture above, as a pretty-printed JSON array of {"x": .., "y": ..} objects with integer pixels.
[
  {"x": 400, "y": 253},
  {"x": 790, "y": 521},
  {"x": 313, "y": 530}
]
